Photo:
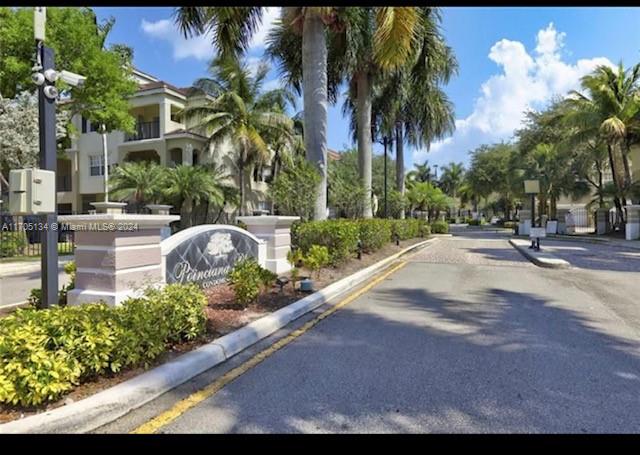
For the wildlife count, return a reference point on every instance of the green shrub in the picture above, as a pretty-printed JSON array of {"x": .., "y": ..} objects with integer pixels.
[
  {"x": 477, "y": 222},
  {"x": 35, "y": 295},
  {"x": 317, "y": 258},
  {"x": 246, "y": 278},
  {"x": 12, "y": 243},
  {"x": 510, "y": 224},
  {"x": 374, "y": 234},
  {"x": 295, "y": 188},
  {"x": 406, "y": 229},
  {"x": 339, "y": 236},
  {"x": 440, "y": 227},
  {"x": 424, "y": 230},
  {"x": 45, "y": 353}
]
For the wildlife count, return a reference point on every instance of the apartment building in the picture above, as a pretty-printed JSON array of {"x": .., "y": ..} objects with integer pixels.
[{"x": 160, "y": 136}]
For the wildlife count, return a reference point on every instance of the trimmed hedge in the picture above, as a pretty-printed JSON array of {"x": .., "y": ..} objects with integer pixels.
[
  {"x": 440, "y": 227},
  {"x": 374, "y": 234},
  {"x": 45, "y": 353},
  {"x": 341, "y": 236}
]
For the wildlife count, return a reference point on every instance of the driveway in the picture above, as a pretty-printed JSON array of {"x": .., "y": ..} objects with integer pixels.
[{"x": 467, "y": 337}]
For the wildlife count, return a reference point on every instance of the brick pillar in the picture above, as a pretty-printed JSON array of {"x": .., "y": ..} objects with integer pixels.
[
  {"x": 116, "y": 255},
  {"x": 276, "y": 232},
  {"x": 562, "y": 220},
  {"x": 602, "y": 221},
  {"x": 524, "y": 225},
  {"x": 632, "y": 228}
]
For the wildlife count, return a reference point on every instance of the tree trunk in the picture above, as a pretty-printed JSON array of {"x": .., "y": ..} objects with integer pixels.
[
  {"x": 314, "y": 82},
  {"x": 186, "y": 211},
  {"x": 242, "y": 192},
  {"x": 364, "y": 137},
  {"x": 625, "y": 163},
  {"x": 400, "y": 163}
]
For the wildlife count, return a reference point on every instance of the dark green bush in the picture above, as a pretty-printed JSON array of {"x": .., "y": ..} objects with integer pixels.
[
  {"x": 246, "y": 278},
  {"x": 406, "y": 229},
  {"x": 440, "y": 227},
  {"x": 339, "y": 236},
  {"x": 510, "y": 224},
  {"x": 12, "y": 243},
  {"x": 45, "y": 353},
  {"x": 374, "y": 234},
  {"x": 477, "y": 222}
]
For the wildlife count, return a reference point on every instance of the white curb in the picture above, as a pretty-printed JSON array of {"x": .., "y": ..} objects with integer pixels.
[
  {"x": 104, "y": 407},
  {"x": 539, "y": 258}
]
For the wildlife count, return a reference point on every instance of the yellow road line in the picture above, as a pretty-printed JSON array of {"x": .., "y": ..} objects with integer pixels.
[{"x": 192, "y": 400}]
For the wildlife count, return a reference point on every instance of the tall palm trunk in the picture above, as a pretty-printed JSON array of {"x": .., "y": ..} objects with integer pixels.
[
  {"x": 617, "y": 183},
  {"x": 314, "y": 81},
  {"x": 241, "y": 168},
  {"x": 186, "y": 213},
  {"x": 363, "y": 113},
  {"x": 400, "y": 163}
]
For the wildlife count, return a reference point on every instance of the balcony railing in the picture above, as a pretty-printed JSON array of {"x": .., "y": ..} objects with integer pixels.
[
  {"x": 144, "y": 130},
  {"x": 63, "y": 183}
]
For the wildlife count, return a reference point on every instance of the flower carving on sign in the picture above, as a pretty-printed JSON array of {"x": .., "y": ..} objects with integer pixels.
[{"x": 220, "y": 244}]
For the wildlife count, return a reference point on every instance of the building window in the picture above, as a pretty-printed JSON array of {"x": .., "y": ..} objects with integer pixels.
[
  {"x": 84, "y": 125},
  {"x": 93, "y": 127},
  {"x": 96, "y": 165}
]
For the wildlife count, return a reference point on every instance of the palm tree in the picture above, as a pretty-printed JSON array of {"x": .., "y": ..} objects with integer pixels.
[
  {"x": 363, "y": 41},
  {"x": 452, "y": 177},
  {"x": 610, "y": 110},
  {"x": 240, "y": 112},
  {"x": 233, "y": 28},
  {"x": 410, "y": 105},
  {"x": 190, "y": 185},
  {"x": 421, "y": 173},
  {"x": 142, "y": 181}
]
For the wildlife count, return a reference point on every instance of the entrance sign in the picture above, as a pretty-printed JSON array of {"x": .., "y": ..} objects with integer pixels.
[
  {"x": 206, "y": 254},
  {"x": 532, "y": 186},
  {"x": 537, "y": 232}
]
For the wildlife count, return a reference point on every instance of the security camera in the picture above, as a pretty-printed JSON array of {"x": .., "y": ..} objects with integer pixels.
[
  {"x": 51, "y": 92},
  {"x": 73, "y": 79},
  {"x": 37, "y": 78},
  {"x": 51, "y": 75}
]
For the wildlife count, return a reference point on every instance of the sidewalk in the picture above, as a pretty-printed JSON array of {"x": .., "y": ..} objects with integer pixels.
[{"x": 21, "y": 267}]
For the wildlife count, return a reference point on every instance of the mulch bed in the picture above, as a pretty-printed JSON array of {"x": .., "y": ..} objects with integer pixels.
[{"x": 223, "y": 316}]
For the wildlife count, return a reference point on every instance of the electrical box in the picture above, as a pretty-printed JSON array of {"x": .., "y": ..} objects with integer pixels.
[
  {"x": 39, "y": 22},
  {"x": 32, "y": 192}
]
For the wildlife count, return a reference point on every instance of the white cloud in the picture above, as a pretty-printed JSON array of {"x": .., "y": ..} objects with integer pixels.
[
  {"x": 525, "y": 82},
  {"x": 200, "y": 47}
]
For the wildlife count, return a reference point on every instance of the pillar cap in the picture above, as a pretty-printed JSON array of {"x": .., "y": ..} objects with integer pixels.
[{"x": 93, "y": 222}]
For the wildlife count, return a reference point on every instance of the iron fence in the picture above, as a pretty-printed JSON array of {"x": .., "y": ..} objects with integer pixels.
[
  {"x": 21, "y": 236},
  {"x": 584, "y": 220}
]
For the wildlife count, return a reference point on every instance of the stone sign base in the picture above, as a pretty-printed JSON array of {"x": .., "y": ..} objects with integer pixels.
[
  {"x": 276, "y": 232},
  {"x": 116, "y": 255}
]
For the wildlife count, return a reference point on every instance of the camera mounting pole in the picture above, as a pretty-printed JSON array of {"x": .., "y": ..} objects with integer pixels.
[{"x": 48, "y": 161}]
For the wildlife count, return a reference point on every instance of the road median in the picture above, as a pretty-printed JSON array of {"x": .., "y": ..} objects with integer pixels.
[{"x": 540, "y": 258}]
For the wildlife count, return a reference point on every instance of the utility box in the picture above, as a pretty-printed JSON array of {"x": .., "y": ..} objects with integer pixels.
[{"x": 32, "y": 192}]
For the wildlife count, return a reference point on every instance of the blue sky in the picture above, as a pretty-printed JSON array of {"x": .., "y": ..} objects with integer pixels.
[{"x": 511, "y": 59}]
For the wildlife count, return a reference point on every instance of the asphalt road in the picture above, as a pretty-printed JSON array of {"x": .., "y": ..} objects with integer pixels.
[
  {"x": 16, "y": 288},
  {"x": 467, "y": 337}
]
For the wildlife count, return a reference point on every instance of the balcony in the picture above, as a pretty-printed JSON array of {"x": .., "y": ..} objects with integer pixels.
[
  {"x": 63, "y": 183},
  {"x": 144, "y": 130}
]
